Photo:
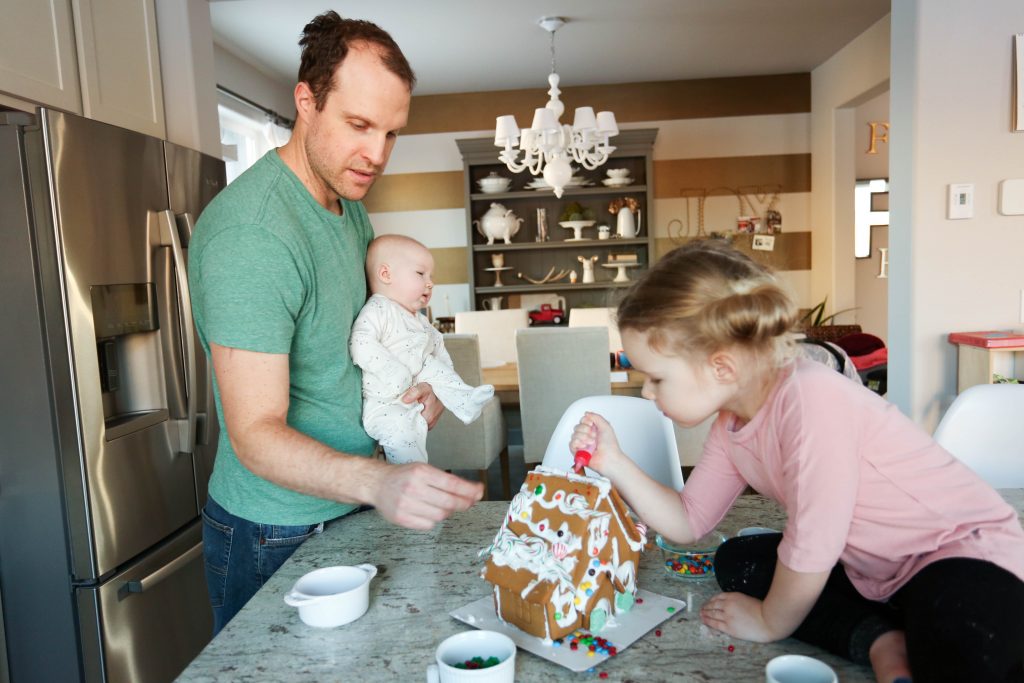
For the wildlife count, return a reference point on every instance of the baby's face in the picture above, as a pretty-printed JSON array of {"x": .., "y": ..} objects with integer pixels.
[{"x": 412, "y": 272}]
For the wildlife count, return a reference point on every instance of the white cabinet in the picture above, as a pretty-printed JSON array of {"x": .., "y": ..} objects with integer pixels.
[
  {"x": 37, "y": 53},
  {"x": 119, "y": 63},
  {"x": 99, "y": 58}
]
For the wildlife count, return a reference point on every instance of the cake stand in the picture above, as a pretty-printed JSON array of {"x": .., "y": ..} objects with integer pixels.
[
  {"x": 577, "y": 229},
  {"x": 621, "y": 276},
  {"x": 497, "y": 275}
]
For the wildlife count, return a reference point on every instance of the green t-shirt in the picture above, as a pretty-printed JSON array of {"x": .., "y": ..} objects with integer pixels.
[{"x": 271, "y": 270}]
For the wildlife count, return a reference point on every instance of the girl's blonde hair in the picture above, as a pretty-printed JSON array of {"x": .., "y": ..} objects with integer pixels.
[{"x": 707, "y": 296}]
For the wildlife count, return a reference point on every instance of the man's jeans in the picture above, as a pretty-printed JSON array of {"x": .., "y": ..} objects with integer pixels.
[{"x": 241, "y": 555}]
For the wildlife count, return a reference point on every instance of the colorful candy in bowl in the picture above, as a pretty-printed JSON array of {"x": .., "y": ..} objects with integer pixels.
[{"x": 693, "y": 561}]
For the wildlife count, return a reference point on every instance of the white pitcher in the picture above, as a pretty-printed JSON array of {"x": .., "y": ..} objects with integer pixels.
[
  {"x": 492, "y": 303},
  {"x": 626, "y": 225}
]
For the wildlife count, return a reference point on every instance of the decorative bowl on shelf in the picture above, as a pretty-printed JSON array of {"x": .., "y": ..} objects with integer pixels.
[
  {"x": 618, "y": 172},
  {"x": 693, "y": 561},
  {"x": 577, "y": 228},
  {"x": 494, "y": 183}
]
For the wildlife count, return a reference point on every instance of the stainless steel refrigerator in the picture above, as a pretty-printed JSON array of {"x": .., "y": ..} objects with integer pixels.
[{"x": 107, "y": 431}]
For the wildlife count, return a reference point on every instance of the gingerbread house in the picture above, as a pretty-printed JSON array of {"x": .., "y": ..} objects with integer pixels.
[{"x": 566, "y": 556}]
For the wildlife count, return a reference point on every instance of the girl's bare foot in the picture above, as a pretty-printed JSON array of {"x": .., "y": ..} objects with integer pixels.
[{"x": 888, "y": 655}]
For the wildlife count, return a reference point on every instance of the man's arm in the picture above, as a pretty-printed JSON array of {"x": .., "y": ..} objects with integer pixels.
[{"x": 254, "y": 397}]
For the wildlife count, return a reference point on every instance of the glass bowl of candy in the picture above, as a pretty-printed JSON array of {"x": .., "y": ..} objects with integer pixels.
[{"x": 692, "y": 561}]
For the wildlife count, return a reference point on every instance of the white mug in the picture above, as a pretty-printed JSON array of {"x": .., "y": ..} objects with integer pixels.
[
  {"x": 799, "y": 669},
  {"x": 492, "y": 303},
  {"x": 463, "y": 647}
]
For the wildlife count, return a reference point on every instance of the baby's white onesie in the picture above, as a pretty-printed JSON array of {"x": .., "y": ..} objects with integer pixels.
[{"x": 395, "y": 350}]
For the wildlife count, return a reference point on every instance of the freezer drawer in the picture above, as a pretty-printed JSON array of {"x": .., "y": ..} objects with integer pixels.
[{"x": 152, "y": 619}]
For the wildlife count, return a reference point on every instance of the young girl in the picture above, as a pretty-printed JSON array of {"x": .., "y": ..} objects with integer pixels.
[{"x": 894, "y": 553}]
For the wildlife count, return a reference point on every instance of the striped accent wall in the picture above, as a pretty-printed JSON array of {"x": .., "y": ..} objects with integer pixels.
[{"x": 715, "y": 137}]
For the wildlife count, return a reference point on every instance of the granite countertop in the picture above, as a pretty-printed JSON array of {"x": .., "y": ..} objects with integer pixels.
[{"x": 425, "y": 575}]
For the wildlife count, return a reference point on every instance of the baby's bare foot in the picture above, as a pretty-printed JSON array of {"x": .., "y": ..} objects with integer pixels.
[{"x": 888, "y": 655}]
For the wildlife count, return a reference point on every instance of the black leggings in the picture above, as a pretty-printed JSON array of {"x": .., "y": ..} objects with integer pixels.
[{"x": 963, "y": 618}]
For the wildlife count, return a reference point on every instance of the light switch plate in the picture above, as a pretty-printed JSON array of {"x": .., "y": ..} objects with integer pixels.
[
  {"x": 960, "y": 201},
  {"x": 1011, "y": 197}
]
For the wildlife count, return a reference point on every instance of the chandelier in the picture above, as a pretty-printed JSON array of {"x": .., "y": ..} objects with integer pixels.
[{"x": 549, "y": 146}]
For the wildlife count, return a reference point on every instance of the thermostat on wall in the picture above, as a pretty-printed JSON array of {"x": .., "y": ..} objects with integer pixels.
[
  {"x": 1011, "y": 197},
  {"x": 960, "y": 201}
]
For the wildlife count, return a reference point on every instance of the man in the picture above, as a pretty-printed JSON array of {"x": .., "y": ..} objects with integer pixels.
[{"x": 276, "y": 272}]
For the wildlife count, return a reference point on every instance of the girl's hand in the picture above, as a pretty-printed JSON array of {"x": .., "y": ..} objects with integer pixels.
[
  {"x": 738, "y": 615},
  {"x": 594, "y": 434}
]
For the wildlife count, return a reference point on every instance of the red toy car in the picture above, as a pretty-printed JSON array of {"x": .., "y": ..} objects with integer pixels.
[{"x": 547, "y": 314}]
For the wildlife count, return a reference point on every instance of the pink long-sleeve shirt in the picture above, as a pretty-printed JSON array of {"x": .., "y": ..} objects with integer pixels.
[{"x": 860, "y": 482}]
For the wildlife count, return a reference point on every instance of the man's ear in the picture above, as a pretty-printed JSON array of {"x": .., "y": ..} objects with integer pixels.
[
  {"x": 723, "y": 367},
  {"x": 305, "y": 102}
]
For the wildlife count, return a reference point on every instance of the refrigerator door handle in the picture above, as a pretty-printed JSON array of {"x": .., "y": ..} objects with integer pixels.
[
  {"x": 187, "y": 222},
  {"x": 169, "y": 238},
  {"x": 148, "y": 582}
]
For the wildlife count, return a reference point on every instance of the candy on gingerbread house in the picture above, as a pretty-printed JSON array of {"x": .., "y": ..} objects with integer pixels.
[{"x": 566, "y": 556}]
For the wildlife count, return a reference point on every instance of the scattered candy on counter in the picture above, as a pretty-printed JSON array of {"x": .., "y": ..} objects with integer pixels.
[
  {"x": 593, "y": 645},
  {"x": 731, "y": 648},
  {"x": 670, "y": 610},
  {"x": 697, "y": 564},
  {"x": 478, "y": 663},
  {"x": 603, "y": 674},
  {"x": 657, "y": 632}
]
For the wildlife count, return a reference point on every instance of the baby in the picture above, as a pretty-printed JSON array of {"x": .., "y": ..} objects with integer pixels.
[{"x": 396, "y": 347}]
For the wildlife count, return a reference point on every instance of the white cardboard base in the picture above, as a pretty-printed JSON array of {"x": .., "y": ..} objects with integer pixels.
[{"x": 622, "y": 631}]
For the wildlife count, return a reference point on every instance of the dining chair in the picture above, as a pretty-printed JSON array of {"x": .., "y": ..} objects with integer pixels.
[
  {"x": 984, "y": 429},
  {"x": 496, "y": 331},
  {"x": 557, "y": 365},
  {"x": 452, "y": 445},
  {"x": 646, "y": 435},
  {"x": 598, "y": 317}
]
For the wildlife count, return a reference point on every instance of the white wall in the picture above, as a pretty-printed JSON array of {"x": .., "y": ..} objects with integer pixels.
[
  {"x": 244, "y": 79},
  {"x": 951, "y": 99},
  {"x": 872, "y": 292},
  {"x": 856, "y": 73}
]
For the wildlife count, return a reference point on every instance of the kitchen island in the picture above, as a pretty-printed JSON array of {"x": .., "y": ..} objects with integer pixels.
[{"x": 425, "y": 575}]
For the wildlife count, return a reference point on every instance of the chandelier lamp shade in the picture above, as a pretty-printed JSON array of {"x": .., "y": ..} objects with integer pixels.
[{"x": 548, "y": 146}]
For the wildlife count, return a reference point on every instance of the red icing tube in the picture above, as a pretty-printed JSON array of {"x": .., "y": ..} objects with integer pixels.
[{"x": 581, "y": 460}]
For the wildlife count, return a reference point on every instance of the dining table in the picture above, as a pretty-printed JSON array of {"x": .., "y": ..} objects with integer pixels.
[
  {"x": 424, "y": 575},
  {"x": 505, "y": 380}
]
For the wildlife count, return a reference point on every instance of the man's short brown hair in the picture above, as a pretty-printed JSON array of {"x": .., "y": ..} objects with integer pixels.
[{"x": 325, "y": 43}]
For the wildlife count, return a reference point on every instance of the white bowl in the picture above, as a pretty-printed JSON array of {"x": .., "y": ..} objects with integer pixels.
[
  {"x": 617, "y": 172},
  {"x": 332, "y": 596},
  {"x": 494, "y": 183}
]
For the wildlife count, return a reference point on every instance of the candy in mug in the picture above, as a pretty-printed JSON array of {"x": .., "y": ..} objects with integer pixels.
[{"x": 474, "y": 657}]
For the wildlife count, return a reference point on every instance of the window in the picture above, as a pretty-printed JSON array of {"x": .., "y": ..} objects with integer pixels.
[{"x": 247, "y": 132}]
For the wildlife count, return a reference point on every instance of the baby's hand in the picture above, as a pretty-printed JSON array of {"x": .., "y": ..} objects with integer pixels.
[{"x": 595, "y": 435}]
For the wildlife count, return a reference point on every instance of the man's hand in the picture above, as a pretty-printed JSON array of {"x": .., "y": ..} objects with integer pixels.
[
  {"x": 418, "y": 496},
  {"x": 424, "y": 393}
]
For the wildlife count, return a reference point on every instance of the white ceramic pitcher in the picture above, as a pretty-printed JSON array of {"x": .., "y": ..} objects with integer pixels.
[
  {"x": 627, "y": 227},
  {"x": 492, "y": 303}
]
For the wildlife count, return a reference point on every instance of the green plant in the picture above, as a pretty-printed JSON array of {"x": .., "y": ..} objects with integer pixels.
[
  {"x": 816, "y": 316},
  {"x": 576, "y": 212}
]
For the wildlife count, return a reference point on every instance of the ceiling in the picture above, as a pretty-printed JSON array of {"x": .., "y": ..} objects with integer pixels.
[{"x": 480, "y": 45}]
